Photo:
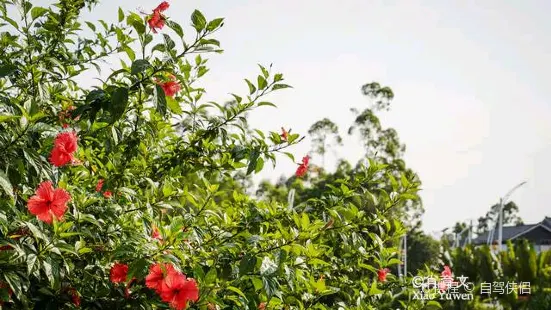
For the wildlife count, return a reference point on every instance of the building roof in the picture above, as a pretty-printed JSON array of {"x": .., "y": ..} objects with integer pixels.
[{"x": 512, "y": 232}]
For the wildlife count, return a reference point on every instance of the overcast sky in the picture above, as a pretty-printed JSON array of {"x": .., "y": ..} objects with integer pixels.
[{"x": 471, "y": 78}]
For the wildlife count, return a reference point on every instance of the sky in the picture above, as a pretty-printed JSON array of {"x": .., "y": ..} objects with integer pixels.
[{"x": 469, "y": 77}]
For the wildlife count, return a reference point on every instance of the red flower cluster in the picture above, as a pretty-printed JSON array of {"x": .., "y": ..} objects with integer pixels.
[
  {"x": 381, "y": 274},
  {"x": 447, "y": 279},
  {"x": 75, "y": 297},
  {"x": 172, "y": 286},
  {"x": 118, "y": 273},
  {"x": 303, "y": 168},
  {"x": 170, "y": 87},
  {"x": 99, "y": 186},
  {"x": 65, "y": 145},
  {"x": 48, "y": 202},
  {"x": 284, "y": 134},
  {"x": 157, "y": 20},
  {"x": 155, "y": 234}
]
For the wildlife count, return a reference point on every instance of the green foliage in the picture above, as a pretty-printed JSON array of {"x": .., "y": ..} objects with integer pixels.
[
  {"x": 174, "y": 179},
  {"x": 519, "y": 263},
  {"x": 424, "y": 252}
]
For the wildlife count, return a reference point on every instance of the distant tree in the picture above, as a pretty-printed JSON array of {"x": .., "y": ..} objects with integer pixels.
[
  {"x": 321, "y": 132},
  {"x": 424, "y": 251},
  {"x": 510, "y": 217}
]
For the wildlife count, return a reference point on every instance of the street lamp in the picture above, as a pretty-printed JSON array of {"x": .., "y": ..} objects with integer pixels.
[{"x": 502, "y": 202}]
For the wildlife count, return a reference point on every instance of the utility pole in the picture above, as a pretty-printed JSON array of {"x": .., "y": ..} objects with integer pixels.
[
  {"x": 502, "y": 202},
  {"x": 406, "y": 255}
]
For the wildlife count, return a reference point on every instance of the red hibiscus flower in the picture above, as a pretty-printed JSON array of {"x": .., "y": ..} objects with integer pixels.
[
  {"x": 162, "y": 7},
  {"x": 447, "y": 272},
  {"x": 381, "y": 274},
  {"x": 157, "y": 274},
  {"x": 284, "y": 134},
  {"x": 99, "y": 186},
  {"x": 155, "y": 234},
  {"x": 65, "y": 144},
  {"x": 75, "y": 297},
  {"x": 177, "y": 290},
  {"x": 170, "y": 88},
  {"x": 157, "y": 20},
  {"x": 48, "y": 202},
  {"x": 303, "y": 168},
  {"x": 118, "y": 273},
  {"x": 107, "y": 194}
]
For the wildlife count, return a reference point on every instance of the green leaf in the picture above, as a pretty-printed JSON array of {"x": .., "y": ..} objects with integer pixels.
[
  {"x": 37, "y": 12},
  {"x": 271, "y": 286},
  {"x": 119, "y": 101},
  {"x": 14, "y": 282},
  {"x": 176, "y": 27},
  {"x": 174, "y": 106},
  {"x": 265, "y": 72},
  {"x": 169, "y": 43},
  {"x": 139, "y": 66},
  {"x": 433, "y": 304},
  {"x": 198, "y": 20},
  {"x": 305, "y": 221},
  {"x": 236, "y": 290},
  {"x": 6, "y": 70},
  {"x": 137, "y": 22},
  {"x": 253, "y": 158},
  {"x": 261, "y": 82},
  {"x": 252, "y": 88},
  {"x": 266, "y": 103},
  {"x": 36, "y": 232},
  {"x": 281, "y": 86},
  {"x": 6, "y": 185},
  {"x": 94, "y": 95},
  {"x": 259, "y": 165},
  {"x": 121, "y": 15},
  {"x": 161, "y": 100},
  {"x": 291, "y": 156},
  {"x": 8, "y": 118},
  {"x": 211, "y": 276},
  {"x": 215, "y": 23},
  {"x": 278, "y": 77},
  {"x": 247, "y": 264},
  {"x": 91, "y": 26},
  {"x": 268, "y": 267},
  {"x": 374, "y": 290},
  {"x": 31, "y": 261}
]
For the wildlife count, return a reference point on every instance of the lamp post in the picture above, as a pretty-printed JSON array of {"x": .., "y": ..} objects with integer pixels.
[{"x": 502, "y": 202}]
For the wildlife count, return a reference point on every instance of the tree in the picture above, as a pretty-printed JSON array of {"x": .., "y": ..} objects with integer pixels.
[
  {"x": 131, "y": 195},
  {"x": 320, "y": 131},
  {"x": 424, "y": 251},
  {"x": 510, "y": 216}
]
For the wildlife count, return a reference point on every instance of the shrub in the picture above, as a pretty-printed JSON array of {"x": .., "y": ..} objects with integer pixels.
[{"x": 128, "y": 195}]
